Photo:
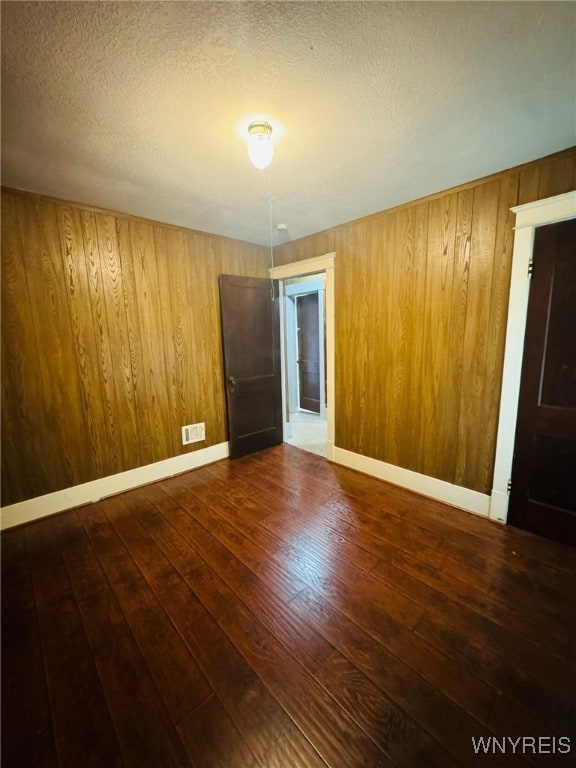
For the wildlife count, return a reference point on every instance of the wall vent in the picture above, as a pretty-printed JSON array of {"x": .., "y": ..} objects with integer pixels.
[{"x": 193, "y": 433}]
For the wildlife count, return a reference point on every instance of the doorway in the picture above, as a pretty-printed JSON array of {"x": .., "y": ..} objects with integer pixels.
[
  {"x": 529, "y": 216},
  {"x": 305, "y": 362},
  {"x": 304, "y": 422},
  {"x": 542, "y": 493}
]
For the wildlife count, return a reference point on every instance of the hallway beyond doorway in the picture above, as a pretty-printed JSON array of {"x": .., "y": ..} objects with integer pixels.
[{"x": 309, "y": 432}]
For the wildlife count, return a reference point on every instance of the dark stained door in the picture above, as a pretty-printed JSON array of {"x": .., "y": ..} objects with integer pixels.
[
  {"x": 307, "y": 321},
  {"x": 251, "y": 343},
  {"x": 543, "y": 490}
]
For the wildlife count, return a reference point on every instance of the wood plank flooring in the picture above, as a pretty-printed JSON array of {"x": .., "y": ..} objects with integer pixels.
[{"x": 279, "y": 611}]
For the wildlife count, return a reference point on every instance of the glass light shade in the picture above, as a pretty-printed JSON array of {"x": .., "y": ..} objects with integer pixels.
[{"x": 260, "y": 147}]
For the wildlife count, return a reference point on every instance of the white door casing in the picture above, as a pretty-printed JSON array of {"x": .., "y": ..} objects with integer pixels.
[{"x": 528, "y": 217}]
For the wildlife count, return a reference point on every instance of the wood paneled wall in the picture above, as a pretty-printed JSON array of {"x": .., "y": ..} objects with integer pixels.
[
  {"x": 111, "y": 332},
  {"x": 110, "y": 341},
  {"x": 421, "y": 306}
]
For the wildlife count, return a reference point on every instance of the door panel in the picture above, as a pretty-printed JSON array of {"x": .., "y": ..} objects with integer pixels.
[
  {"x": 250, "y": 335},
  {"x": 543, "y": 493},
  {"x": 308, "y": 351}
]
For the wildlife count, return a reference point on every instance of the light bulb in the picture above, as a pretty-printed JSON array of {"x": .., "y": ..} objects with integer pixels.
[{"x": 260, "y": 147}]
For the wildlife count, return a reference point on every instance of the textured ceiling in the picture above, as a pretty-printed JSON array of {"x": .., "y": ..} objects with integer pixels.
[{"x": 137, "y": 106}]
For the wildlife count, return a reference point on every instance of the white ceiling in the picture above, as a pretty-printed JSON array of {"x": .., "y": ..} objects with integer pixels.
[{"x": 137, "y": 106}]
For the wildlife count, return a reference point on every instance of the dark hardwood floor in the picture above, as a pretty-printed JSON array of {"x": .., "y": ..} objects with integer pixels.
[{"x": 280, "y": 611}]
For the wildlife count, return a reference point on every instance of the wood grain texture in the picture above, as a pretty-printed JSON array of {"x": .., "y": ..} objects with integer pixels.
[
  {"x": 280, "y": 610},
  {"x": 95, "y": 246},
  {"x": 111, "y": 332},
  {"x": 473, "y": 417},
  {"x": 77, "y": 285},
  {"x": 27, "y": 470},
  {"x": 61, "y": 418},
  {"x": 82, "y": 725},
  {"x": 110, "y": 341},
  {"x": 118, "y": 331},
  {"x": 25, "y": 708},
  {"x": 497, "y": 317},
  {"x": 153, "y": 420},
  {"x": 421, "y": 306},
  {"x": 459, "y": 300},
  {"x": 437, "y": 350}
]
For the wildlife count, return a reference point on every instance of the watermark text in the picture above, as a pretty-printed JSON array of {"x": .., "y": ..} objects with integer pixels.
[{"x": 522, "y": 745}]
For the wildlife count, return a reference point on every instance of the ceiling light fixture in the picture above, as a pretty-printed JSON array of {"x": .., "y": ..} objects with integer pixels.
[{"x": 260, "y": 147}]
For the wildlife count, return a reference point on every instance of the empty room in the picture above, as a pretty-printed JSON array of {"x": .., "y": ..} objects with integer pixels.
[{"x": 288, "y": 367}]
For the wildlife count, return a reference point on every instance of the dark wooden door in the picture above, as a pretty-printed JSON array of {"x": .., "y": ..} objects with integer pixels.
[
  {"x": 307, "y": 321},
  {"x": 251, "y": 342},
  {"x": 543, "y": 490}
]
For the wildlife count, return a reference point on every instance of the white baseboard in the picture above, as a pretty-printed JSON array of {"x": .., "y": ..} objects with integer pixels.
[
  {"x": 463, "y": 498},
  {"x": 86, "y": 493}
]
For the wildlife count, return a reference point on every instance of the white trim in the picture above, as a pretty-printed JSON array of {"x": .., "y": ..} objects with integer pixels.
[
  {"x": 87, "y": 493},
  {"x": 321, "y": 352},
  {"x": 463, "y": 498},
  {"x": 290, "y": 355},
  {"x": 286, "y": 323},
  {"x": 304, "y": 267},
  {"x": 528, "y": 217},
  {"x": 546, "y": 211},
  {"x": 325, "y": 264}
]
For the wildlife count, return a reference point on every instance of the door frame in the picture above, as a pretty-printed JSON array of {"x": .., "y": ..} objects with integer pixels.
[
  {"x": 293, "y": 292},
  {"x": 528, "y": 217},
  {"x": 326, "y": 264}
]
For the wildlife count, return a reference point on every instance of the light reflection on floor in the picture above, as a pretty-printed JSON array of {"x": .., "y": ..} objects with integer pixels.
[{"x": 306, "y": 557}]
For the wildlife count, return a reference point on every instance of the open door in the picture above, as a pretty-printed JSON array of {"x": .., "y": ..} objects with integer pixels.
[
  {"x": 251, "y": 342},
  {"x": 307, "y": 318},
  {"x": 543, "y": 487}
]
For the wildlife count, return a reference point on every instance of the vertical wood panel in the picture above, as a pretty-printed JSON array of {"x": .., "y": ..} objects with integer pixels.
[
  {"x": 308, "y": 247},
  {"x": 421, "y": 304},
  {"x": 121, "y": 366},
  {"x": 529, "y": 183},
  {"x": 211, "y": 258},
  {"x": 396, "y": 379},
  {"x": 359, "y": 402},
  {"x": 416, "y": 430},
  {"x": 460, "y": 275},
  {"x": 23, "y": 468},
  {"x": 473, "y": 416},
  {"x": 82, "y": 322},
  {"x": 436, "y": 359},
  {"x": 144, "y": 419},
  {"x": 172, "y": 291},
  {"x": 385, "y": 296},
  {"x": 345, "y": 336},
  {"x": 406, "y": 300},
  {"x": 556, "y": 177},
  {"x": 376, "y": 337},
  {"x": 62, "y": 430},
  {"x": 110, "y": 341},
  {"x": 102, "y": 341},
  {"x": 111, "y": 332},
  {"x": 401, "y": 238},
  {"x": 497, "y": 315},
  {"x": 149, "y": 340}
]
